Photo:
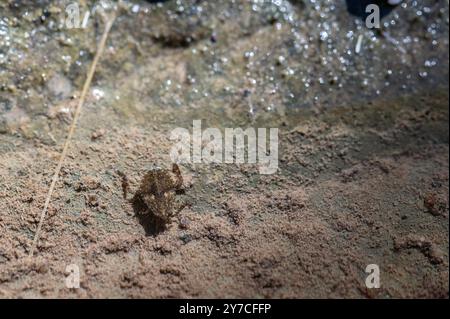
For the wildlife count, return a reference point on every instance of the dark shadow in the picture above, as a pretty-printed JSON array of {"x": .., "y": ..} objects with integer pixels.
[
  {"x": 157, "y": 1},
  {"x": 152, "y": 224},
  {"x": 358, "y": 7},
  {"x": 299, "y": 3}
]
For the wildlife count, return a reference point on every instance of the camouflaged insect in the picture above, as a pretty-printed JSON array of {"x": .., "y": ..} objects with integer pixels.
[{"x": 158, "y": 191}]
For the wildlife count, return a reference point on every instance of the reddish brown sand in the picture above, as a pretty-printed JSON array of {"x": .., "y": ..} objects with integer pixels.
[{"x": 351, "y": 191}]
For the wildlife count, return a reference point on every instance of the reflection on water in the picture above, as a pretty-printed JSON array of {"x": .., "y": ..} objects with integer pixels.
[{"x": 259, "y": 56}]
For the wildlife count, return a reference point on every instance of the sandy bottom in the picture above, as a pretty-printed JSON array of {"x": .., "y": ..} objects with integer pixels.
[{"x": 351, "y": 191}]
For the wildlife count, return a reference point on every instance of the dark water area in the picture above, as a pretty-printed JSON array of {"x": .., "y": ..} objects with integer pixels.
[{"x": 358, "y": 7}]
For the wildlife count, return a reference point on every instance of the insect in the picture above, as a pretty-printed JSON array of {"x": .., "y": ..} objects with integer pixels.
[{"x": 156, "y": 195}]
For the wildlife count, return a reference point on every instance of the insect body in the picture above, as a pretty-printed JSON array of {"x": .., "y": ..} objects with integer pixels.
[{"x": 157, "y": 193}]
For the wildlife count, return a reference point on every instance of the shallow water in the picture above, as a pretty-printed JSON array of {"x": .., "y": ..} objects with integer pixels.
[{"x": 248, "y": 59}]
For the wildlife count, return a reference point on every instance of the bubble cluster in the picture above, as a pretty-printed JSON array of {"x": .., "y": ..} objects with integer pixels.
[{"x": 254, "y": 56}]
